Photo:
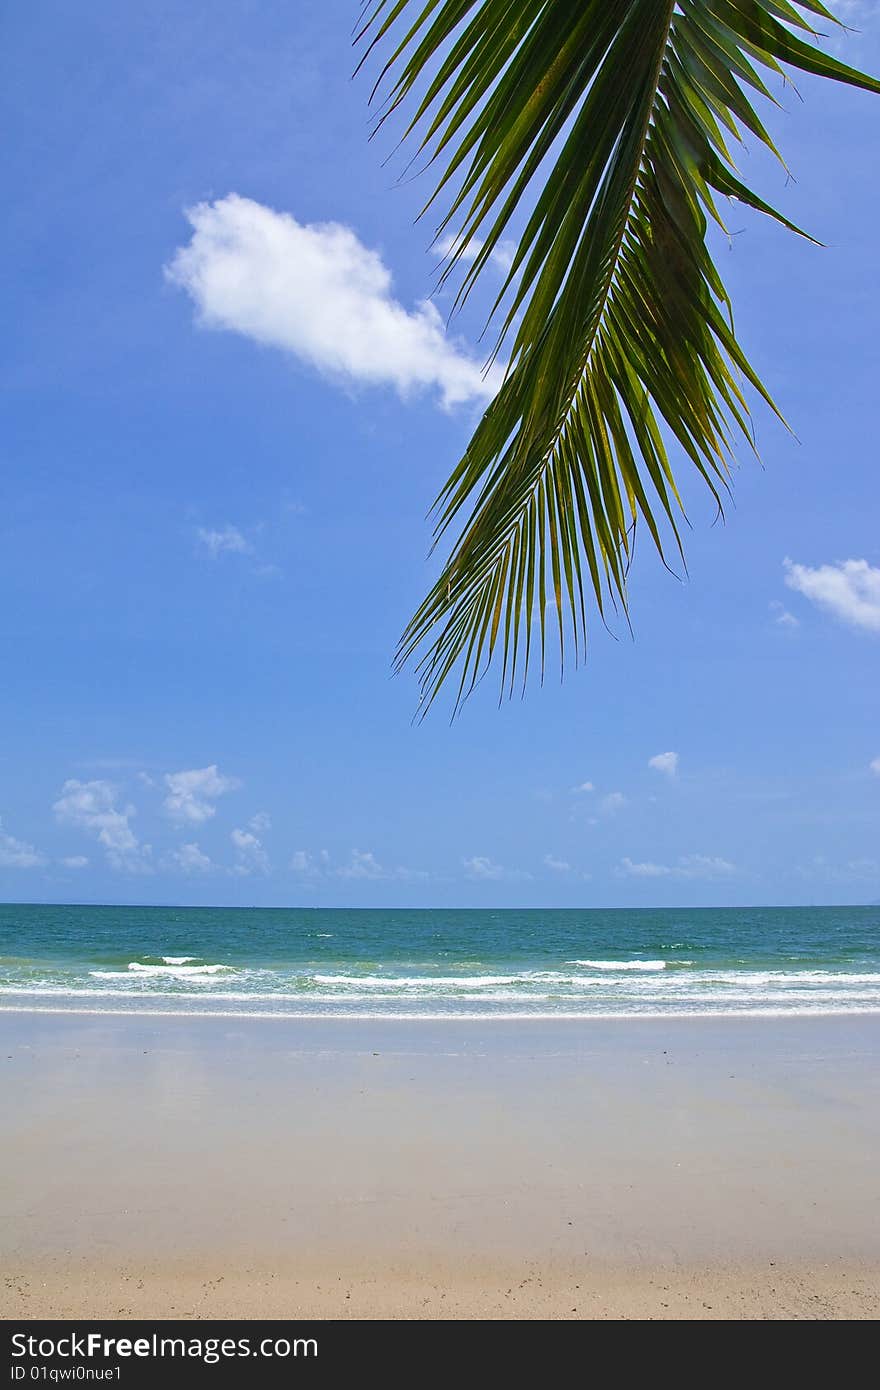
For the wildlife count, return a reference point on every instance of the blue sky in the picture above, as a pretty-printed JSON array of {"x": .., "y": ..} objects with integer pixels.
[{"x": 215, "y": 481}]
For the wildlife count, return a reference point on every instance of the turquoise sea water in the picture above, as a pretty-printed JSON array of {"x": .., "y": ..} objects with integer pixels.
[{"x": 435, "y": 964}]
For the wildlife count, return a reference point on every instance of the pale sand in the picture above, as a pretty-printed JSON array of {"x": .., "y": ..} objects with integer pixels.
[{"x": 204, "y": 1167}]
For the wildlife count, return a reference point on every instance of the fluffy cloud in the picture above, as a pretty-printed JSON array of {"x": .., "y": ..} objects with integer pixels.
[
  {"x": 664, "y": 762},
  {"x": 482, "y": 869},
  {"x": 260, "y": 823},
  {"x": 480, "y": 866},
  {"x": 559, "y": 866},
  {"x": 317, "y": 292},
  {"x": 75, "y": 861},
  {"x": 363, "y": 864},
  {"x": 687, "y": 866},
  {"x": 308, "y": 865},
  {"x": 228, "y": 541},
  {"x": 875, "y": 766},
  {"x": 584, "y": 787},
  {"x": 644, "y": 870},
  {"x": 191, "y": 794},
  {"x": 251, "y": 857},
  {"x": 849, "y": 590},
  {"x": 189, "y": 859},
  {"x": 614, "y": 801},
  {"x": 17, "y": 854},
  {"x": 91, "y": 806}
]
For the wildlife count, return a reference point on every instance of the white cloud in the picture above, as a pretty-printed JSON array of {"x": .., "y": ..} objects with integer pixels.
[
  {"x": 584, "y": 787},
  {"x": 781, "y": 615},
  {"x": 75, "y": 861},
  {"x": 559, "y": 866},
  {"x": 251, "y": 857},
  {"x": 664, "y": 762},
  {"x": 687, "y": 866},
  {"x": 644, "y": 870},
  {"x": 875, "y": 766},
  {"x": 191, "y": 860},
  {"x": 412, "y": 875},
  {"x": 260, "y": 823},
  {"x": 18, "y": 854},
  {"x": 91, "y": 806},
  {"x": 317, "y": 292},
  {"x": 849, "y": 590},
  {"x": 308, "y": 865},
  {"x": 228, "y": 541},
  {"x": 501, "y": 255},
  {"x": 614, "y": 801},
  {"x": 482, "y": 868},
  {"x": 706, "y": 866},
  {"x": 191, "y": 793},
  {"x": 301, "y": 862},
  {"x": 363, "y": 864}
]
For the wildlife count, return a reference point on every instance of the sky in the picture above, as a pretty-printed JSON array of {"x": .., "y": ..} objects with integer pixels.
[{"x": 230, "y": 397}]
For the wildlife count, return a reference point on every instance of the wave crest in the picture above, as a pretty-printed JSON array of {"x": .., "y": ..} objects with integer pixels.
[{"x": 648, "y": 965}]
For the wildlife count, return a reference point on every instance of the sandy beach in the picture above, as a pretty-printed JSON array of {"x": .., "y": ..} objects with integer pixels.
[{"x": 174, "y": 1167}]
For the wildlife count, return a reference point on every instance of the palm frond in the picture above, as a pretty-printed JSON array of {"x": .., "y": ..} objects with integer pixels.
[{"x": 607, "y": 125}]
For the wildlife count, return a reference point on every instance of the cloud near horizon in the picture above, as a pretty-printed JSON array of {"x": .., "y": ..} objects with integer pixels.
[
  {"x": 363, "y": 864},
  {"x": 192, "y": 793},
  {"x": 559, "y": 866},
  {"x": 690, "y": 866},
  {"x": 18, "y": 854},
  {"x": 251, "y": 857},
  {"x": 91, "y": 806},
  {"x": 315, "y": 291},
  {"x": 481, "y": 869},
  {"x": 189, "y": 859}
]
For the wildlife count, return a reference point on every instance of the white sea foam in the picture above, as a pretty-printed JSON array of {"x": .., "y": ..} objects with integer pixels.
[
  {"x": 573, "y": 989},
  {"x": 176, "y": 969},
  {"x": 417, "y": 981},
  {"x": 646, "y": 965},
  {"x": 180, "y": 972}
]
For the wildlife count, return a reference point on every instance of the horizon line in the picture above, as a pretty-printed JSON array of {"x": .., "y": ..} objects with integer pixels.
[{"x": 546, "y": 907}]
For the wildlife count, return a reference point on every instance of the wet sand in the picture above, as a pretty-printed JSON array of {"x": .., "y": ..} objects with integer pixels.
[{"x": 174, "y": 1167}]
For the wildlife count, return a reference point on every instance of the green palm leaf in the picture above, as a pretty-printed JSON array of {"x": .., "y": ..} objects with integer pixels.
[{"x": 608, "y": 125}]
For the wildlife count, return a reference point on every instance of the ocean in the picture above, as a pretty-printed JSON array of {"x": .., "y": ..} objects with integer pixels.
[{"x": 439, "y": 964}]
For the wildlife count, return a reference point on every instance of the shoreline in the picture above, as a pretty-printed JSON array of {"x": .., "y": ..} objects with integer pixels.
[
  {"x": 204, "y": 1167},
  {"x": 646, "y": 1016}
]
